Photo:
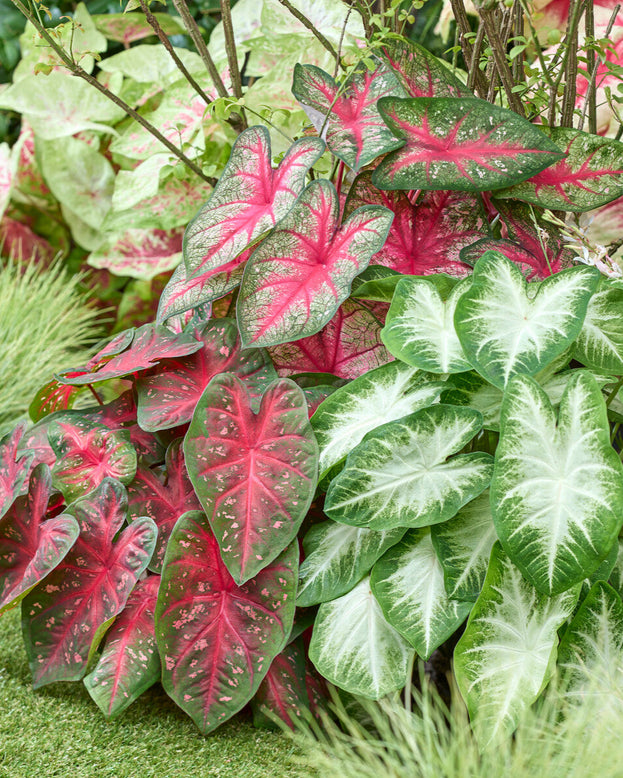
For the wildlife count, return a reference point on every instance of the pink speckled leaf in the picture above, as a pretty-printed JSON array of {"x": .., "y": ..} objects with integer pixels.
[
  {"x": 217, "y": 639},
  {"x": 21, "y": 244},
  {"x": 465, "y": 145},
  {"x": 65, "y": 617},
  {"x": 129, "y": 663},
  {"x": 140, "y": 253},
  {"x": 168, "y": 395},
  {"x": 31, "y": 547},
  {"x": 420, "y": 72},
  {"x": 129, "y": 28},
  {"x": 282, "y": 694},
  {"x": 15, "y": 464},
  {"x": 254, "y": 474},
  {"x": 302, "y": 272},
  {"x": 52, "y": 397},
  {"x": 163, "y": 495}
]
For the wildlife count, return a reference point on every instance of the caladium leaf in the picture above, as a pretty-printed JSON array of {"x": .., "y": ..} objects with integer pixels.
[
  {"x": 465, "y": 145},
  {"x": 346, "y": 114},
  {"x": 532, "y": 266},
  {"x": 52, "y": 397},
  {"x": 283, "y": 693},
  {"x": 420, "y": 72},
  {"x": 129, "y": 663},
  {"x": 216, "y": 639},
  {"x": 168, "y": 395},
  {"x": 545, "y": 318},
  {"x": 419, "y": 328},
  {"x": 88, "y": 453},
  {"x": 15, "y": 465},
  {"x": 507, "y": 653},
  {"x": 557, "y": 488},
  {"x": 164, "y": 497},
  {"x": 600, "y": 342},
  {"x": 301, "y": 273},
  {"x": 337, "y": 557},
  {"x": 65, "y": 617},
  {"x": 408, "y": 583},
  {"x": 387, "y": 393},
  {"x": 404, "y": 473},
  {"x": 249, "y": 199},
  {"x": 31, "y": 547},
  {"x": 590, "y": 175},
  {"x": 254, "y": 474},
  {"x": 139, "y": 253},
  {"x": 355, "y": 648}
]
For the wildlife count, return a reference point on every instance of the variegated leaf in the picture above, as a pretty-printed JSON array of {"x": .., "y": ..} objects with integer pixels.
[
  {"x": 600, "y": 342},
  {"x": 419, "y": 71},
  {"x": 15, "y": 465},
  {"x": 283, "y": 694}
]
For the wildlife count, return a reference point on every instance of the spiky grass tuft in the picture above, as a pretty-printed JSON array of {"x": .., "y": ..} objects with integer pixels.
[{"x": 46, "y": 324}]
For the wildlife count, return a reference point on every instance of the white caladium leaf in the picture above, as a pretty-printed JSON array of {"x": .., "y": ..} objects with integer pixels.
[
  {"x": 337, "y": 557},
  {"x": 404, "y": 473},
  {"x": 408, "y": 583},
  {"x": 507, "y": 653},
  {"x": 600, "y": 342},
  {"x": 354, "y": 647},
  {"x": 507, "y": 326},
  {"x": 419, "y": 328},
  {"x": 616, "y": 576},
  {"x": 384, "y": 394},
  {"x": 463, "y": 546},
  {"x": 557, "y": 487}
]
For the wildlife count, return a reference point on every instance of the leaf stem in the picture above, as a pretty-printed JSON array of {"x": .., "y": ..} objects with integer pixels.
[{"x": 95, "y": 394}]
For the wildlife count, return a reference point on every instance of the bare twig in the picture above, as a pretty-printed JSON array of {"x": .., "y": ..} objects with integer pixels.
[
  {"x": 562, "y": 55},
  {"x": 232, "y": 56},
  {"x": 571, "y": 72},
  {"x": 474, "y": 68},
  {"x": 498, "y": 49},
  {"x": 306, "y": 23},
  {"x": 341, "y": 41},
  {"x": 518, "y": 28},
  {"x": 590, "y": 98},
  {"x": 462, "y": 23}
]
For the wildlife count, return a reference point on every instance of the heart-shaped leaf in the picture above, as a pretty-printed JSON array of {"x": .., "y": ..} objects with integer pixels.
[
  {"x": 502, "y": 340},
  {"x": 420, "y": 72},
  {"x": 408, "y": 583},
  {"x": 283, "y": 693},
  {"x": 52, "y": 397},
  {"x": 15, "y": 465},
  {"x": 355, "y": 648},
  {"x": 65, "y": 617},
  {"x": 302, "y": 272},
  {"x": 404, "y": 473},
  {"x": 254, "y": 474},
  {"x": 600, "y": 342},
  {"x": 129, "y": 663},
  {"x": 467, "y": 145},
  {"x": 557, "y": 488},
  {"x": 216, "y": 639},
  {"x": 507, "y": 653}
]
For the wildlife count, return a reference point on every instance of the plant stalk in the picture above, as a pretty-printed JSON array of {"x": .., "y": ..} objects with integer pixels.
[
  {"x": 590, "y": 99},
  {"x": 462, "y": 23},
  {"x": 498, "y": 49},
  {"x": 232, "y": 56}
]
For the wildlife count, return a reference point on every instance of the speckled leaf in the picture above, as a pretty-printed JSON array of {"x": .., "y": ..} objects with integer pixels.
[
  {"x": 140, "y": 253},
  {"x": 217, "y": 639},
  {"x": 65, "y": 617},
  {"x": 254, "y": 474},
  {"x": 302, "y": 272},
  {"x": 466, "y": 145},
  {"x": 15, "y": 465},
  {"x": 420, "y": 72},
  {"x": 128, "y": 28},
  {"x": 129, "y": 663},
  {"x": 52, "y": 397},
  {"x": 283, "y": 693},
  {"x": 600, "y": 342},
  {"x": 405, "y": 474},
  {"x": 557, "y": 488}
]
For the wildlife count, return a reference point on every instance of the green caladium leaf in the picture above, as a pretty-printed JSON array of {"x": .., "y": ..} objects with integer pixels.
[
  {"x": 616, "y": 576},
  {"x": 600, "y": 342},
  {"x": 408, "y": 583},
  {"x": 463, "y": 546},
  {"x": 337, "y": 557},
  {"x": 590, "y": 175},
  {"x": 419, "y": 328},
  {"x": 557, "y": 488},
  {"x": 355, "y": 648},
  {"x": 503, "y": 338},
  {"x": 508, "y": 650},
  {"x": 466, "y": 145},
  {"x": 404, "y": 473},
  {"x": 384, "y": 394}
]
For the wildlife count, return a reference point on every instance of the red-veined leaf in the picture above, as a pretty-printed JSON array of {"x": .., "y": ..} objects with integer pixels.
[
  {"x": 15, "y": 465},
  {"x": 52, "y": 397},
  {"x": 168, "y": 395},
  {"x": 21, "y": 244},
  {"x": 460, "y": 144},
  {"x": 283, "y": 693},
  {"x": 217, "y": 639},
  {"x": 129, "y": 663},
  {"x": 302, "y": 272},
  {"x": 31, "y": 547},
  {"x": 346, "y": 114},
  {"x": 163, "y": 496},
  {"x": 64, "y": 618},
  {"x": 129, "y": 28},
  {"x": 254, "y": 474},
  {"x": 140, "y": 253}
]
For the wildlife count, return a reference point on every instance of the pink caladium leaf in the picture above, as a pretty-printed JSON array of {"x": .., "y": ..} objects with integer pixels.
[
  {"x": 87, "y": 454},
  {"x": 217, "y": 639},
  {"x": 129, "y": 663},
  {"x": 140, "y": 253},
  {"x": 302, "y": 272},
  {"x": 167, "y": 396},
  {"x": 425, "y": 237},
  {"x": 30, "y": 547},
  {"x": 15, "y": 465},
  {"x": 465, "y": 145},
  {"x": 52, "y": 397},
  {"x": 249, "y": 199},
  {"x": 346, "y": 114},
  {"x": 163, "y": 495},
  {"x": 147, "y": 346},
  {"x": 283, "y": 693},
  {"x": 129, "y": 28},
  {"x": 590, "y": 175},
  {"x": 21, "y": 244},
  {"x": 420, "y": 72},
  {"x": 65, "y": 616},
  {"x": 347, "y": 347},
  {"x": 254, "y": 474}
]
